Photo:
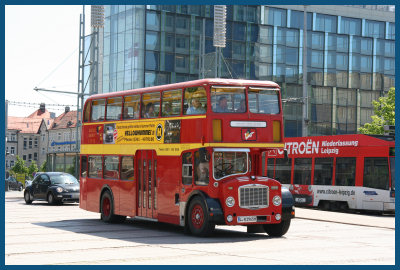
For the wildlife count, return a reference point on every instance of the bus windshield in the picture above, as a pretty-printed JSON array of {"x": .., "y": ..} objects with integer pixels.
[
  {"x": 230, "y": 163},
  {"x": 263, "y": 101},
  {"x": 392, "y": 171}
]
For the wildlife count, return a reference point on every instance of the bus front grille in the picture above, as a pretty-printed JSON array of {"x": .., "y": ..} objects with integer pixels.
[{"x": 253, "y": 196}]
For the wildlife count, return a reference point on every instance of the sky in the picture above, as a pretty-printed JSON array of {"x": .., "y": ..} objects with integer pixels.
[{"x": 42, "y": 50}]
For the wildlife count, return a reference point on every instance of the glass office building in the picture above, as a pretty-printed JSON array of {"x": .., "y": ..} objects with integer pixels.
[{"x": 350, "y": 55}]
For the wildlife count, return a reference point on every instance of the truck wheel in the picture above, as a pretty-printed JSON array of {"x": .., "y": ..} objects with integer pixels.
[
  {"x": 107, "y": 210},
  {"x": 277, "y": 229},
  {"x": 198, "y": 218}
]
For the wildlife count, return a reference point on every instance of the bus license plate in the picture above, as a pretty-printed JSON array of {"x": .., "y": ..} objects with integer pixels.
[
  {"x": 245, "y": 219},
  {"x": 300, "y": 200}
]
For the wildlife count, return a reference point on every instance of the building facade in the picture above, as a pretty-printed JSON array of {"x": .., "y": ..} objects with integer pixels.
[
  {"x": 25, "y": 138},
  {"x": 62, "y": 143},
  {"x": 350, "y": 55}
]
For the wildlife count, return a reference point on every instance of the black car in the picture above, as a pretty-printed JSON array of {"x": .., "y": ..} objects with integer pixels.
[
  {"x": 53, "y": 187},
  {"x": 13, "y": 184}
]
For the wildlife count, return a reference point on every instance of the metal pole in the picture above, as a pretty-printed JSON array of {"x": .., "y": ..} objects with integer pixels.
[{"x": 305, "y": 94}]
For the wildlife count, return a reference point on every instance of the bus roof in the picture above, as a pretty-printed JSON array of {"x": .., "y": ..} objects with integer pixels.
[{"x": 214, "y": 81}]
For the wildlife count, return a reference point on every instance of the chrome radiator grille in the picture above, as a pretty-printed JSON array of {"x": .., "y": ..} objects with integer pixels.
[{"x": 253, "y": 196}]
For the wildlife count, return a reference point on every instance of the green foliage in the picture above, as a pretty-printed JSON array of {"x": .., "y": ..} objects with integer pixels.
[
  {"x": 43, "y": 167},
  {"x": 19, "y": 167},
  {"x": 33, "y": 168},
  {"x": 384, "y": 109}
]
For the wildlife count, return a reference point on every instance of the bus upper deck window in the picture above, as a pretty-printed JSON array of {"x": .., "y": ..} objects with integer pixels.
[
  {"x": 131, "y": 107},
  {"x": 195, "y": 100},
  {"x": 228, "y": 99},
  {"x": 114, "y": 107},
  {"x": 98, "y": 109},
  {"x": 265, "y": 101},
  {"x": 86, "y": 116},
  {"x": 151, "y": 105}
]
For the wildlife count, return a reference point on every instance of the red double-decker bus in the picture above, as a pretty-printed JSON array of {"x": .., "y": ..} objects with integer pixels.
[
  {"x": 186, "y": 153},
  {"x": 337, "y": 172}
]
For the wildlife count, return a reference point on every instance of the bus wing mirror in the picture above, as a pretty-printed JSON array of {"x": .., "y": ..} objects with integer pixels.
[
  {"x": 204, "y": 155},
  {"x": 285, "y": 155}
]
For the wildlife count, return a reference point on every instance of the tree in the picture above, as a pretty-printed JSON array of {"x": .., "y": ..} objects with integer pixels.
[
  {"x": 384, "y": 109},
  {"x": 19, "y": 167},
  {"x": 33, "y": 168},
  {"x": 43, "y": 167}
]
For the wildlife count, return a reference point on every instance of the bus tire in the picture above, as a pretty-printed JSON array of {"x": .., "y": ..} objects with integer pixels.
[
  {"x": 107, "y": 209},
  {"x": 198, "y": 218},
  {"x": 277, "y": 230}
]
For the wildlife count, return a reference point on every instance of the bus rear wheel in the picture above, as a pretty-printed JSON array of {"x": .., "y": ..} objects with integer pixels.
[
  {"x": 198, "y": 218},
  {"x": 277, "y": 230},
  {"x": 107, "y": 209}
]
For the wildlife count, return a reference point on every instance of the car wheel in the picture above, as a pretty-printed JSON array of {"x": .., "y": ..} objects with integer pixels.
[
  {"x": 27, "y": 197},
  {"x": 50, "y": 198},
  {"x": 198, "y": 218},
  {"x": 107, "y": 210}
]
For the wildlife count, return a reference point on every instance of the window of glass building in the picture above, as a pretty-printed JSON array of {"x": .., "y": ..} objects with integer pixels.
[
  {"x": 326, "y": 23},
  {"x": 374, "y": 29},
  {"x": 366, "y": 46},
  {"x": 389, "y": 48},
  {"x": 297, "y": 20},
  {"x": 152, "y": 21},
  {"x": 316, "y": 41},
  {"x": 152, "y": 60},
  {"x": 323, "y": 171},
  {"x": 131, "y": 107},
  {"x": 239, "y": 31},
  {"x": 152, "y": 40},
  {"x": 98, "y": 109},
  {"x": 342, "y": 43},
  {"x": 302, "y": 171},
  {"x": 391, "y": 31},
  {"x": 151, "y": 105},
  {"x": 182, "y": 44},
  {"x": 376, "y": 173},
  {"x": 275, "y": 16},
  {"x": 266, "y": 34},
  {"x": 283, "y": 170},
  {"x": 171, "y": 102},
  {"x": 182, "y": 24},
  {"x": 350, "y": 26},
  {"x": 182, "y": 63},
  {"x": 114, "y": 108},
  {"x": 345, "y": 171},
  {"x": 195, "y": 101}
]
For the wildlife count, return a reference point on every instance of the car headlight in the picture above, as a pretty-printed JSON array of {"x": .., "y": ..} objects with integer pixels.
[
  {"x": 59, "y": 189},
  {"x": 277, "y": 200},
  {"x": 230, "y": 201}
]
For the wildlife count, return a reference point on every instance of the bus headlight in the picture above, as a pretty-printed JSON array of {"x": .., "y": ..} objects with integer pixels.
[
  {"x": 277, "y": 200},
  {"x": 230, "y": 201},
  {"x": 278, "y": 217},
  {"x": 229, "y": 218}
]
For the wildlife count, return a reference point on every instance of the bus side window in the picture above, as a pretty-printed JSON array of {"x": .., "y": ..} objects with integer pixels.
[
  {"x": 151, "y": 105},
  {"x": 98, "y": 109},
  {"x": 86, "y": 116},
  {"x": 201, "y": 170},
  {"x": 95, "y": 167},
  {"x": 171, "y": 102},
  {"x": 131, "y": 107},
  {"x": 114, "y": 107},
  {"x": 84, "y": 166},
  {"x": 127, "y": 168},
  {"x": 111, "y": 164},
  {"x": 187, "y": 168}
]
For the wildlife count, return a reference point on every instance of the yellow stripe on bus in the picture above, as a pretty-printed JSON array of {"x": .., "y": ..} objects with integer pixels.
[
  {"x": 164, "y": 149},
  {"x": 146, "y": 120}
]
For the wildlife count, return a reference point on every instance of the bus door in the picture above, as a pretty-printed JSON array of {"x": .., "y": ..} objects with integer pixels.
[{"x": 147, "y": 184}]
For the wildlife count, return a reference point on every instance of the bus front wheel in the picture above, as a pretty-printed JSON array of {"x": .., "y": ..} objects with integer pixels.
[
  {"x": 198, "y": 218},
  {"x": 277, "y": 230},
  {"x": 107, "y": 209}
]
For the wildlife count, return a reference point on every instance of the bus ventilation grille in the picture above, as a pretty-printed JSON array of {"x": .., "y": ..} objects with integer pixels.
[{"x": 253, "y": 196}]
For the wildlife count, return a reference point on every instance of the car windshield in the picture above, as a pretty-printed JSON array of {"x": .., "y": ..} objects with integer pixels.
[
  {"x": 228, "y": 163},
  {"x": 63, "y": 179}
]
